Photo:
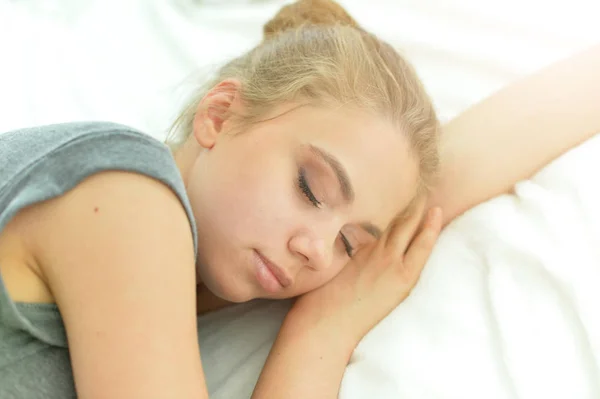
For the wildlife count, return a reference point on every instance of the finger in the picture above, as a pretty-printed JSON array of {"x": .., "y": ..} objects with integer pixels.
[
  {"x": 402, "y": 230},
  {"x": 420, "y": 248}
]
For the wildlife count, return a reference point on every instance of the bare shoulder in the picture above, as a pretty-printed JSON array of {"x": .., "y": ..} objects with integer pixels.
[
  {"x": 117, "y": 210},
  {"x": 117, "y": 254}
]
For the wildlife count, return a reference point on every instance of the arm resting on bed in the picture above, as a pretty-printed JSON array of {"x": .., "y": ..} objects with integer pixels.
[
  {"x": 307, "y": 360},
  {"x": 515, "y": 132}
]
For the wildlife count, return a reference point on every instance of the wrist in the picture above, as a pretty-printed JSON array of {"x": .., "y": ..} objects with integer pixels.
[
  {"x": 308, "y": 358},
  {"x": 320, "y": 329}
]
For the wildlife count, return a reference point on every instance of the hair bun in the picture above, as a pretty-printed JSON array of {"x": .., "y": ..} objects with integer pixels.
[{"x": 312, "y": 12}]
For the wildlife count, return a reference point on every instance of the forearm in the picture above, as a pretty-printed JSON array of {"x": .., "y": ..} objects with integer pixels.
[
  {"x": 307, "y": 360},
  {"x": 517, "y": 131}
]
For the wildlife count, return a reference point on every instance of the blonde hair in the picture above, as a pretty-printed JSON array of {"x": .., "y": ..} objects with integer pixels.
[{"x": 313, "y": 52}]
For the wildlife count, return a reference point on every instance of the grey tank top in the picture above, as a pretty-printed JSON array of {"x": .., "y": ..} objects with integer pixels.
[{"x": 37, "y": 164}]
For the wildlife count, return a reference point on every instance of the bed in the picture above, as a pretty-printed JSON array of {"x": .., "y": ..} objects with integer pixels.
[{"x": 507, "y": 305}]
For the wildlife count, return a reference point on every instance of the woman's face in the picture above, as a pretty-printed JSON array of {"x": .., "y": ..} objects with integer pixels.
[{"x": 281, "y": 206}]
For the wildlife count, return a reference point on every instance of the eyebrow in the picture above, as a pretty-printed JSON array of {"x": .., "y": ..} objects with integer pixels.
[
  {"x": 371, "y": 229},
  {"x": 345, "y": 184},
  {"x": 338, "y": 169}
]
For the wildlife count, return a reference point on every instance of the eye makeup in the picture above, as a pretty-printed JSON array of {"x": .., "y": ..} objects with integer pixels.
[{"x": 304, "y": 187}]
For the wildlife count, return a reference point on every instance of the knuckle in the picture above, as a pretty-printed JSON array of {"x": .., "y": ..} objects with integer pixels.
[
  {"x": 403, "y": 275},
  {"x": 391, "y": 257},
  {"x": 405, "y": 272}
]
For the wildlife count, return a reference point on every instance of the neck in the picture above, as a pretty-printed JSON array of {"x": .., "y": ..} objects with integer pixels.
[{"x": 185, "y": 156}]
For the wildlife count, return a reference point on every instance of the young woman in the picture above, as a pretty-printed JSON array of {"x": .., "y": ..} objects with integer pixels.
[{"x": 303, "y": 170}]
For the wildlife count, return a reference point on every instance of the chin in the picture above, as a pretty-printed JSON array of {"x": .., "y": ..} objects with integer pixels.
[
  {"x": 231, "y": 295},
  {"x": 225, "y": 287}
]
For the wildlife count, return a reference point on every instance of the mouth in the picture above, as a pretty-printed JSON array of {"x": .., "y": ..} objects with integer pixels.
[{"x": 269, "y": 275}]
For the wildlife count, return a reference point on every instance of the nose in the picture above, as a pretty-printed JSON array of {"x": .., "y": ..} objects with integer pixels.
[{"x": 311, "y": 250}]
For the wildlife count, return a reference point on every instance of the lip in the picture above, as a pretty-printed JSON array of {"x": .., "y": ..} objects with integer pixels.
[{"x": 280, "y": 275}]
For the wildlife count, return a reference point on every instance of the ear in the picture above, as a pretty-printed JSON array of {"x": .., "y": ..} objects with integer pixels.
[{"x": 211, "y": 115}]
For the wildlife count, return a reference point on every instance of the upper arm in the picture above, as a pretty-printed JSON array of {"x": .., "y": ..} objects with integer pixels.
[
  {"x": 515, "y": 132},
  {"x": 118, "y": 255}
]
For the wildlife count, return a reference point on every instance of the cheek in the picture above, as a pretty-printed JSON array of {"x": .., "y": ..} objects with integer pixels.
[
  {"x": 242, "y": 203},
  {"x": 214, "y": 203}
]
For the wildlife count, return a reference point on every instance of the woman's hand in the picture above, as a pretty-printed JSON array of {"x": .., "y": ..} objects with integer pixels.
[
  {"x": 376, "y": 280},
  {"x": 324, "y": 326}
]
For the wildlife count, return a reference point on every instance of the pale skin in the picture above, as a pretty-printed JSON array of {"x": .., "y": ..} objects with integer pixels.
[{"x": 120, "y": 342}]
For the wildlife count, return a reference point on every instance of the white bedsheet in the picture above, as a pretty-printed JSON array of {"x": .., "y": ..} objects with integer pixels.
[{"x": 506, "y": 305}]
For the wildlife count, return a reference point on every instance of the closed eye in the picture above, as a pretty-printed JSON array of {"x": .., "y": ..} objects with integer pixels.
[
  {"x": 347, "y": 246},
  {"x": 307, "y": 192},
  {"x": 305, "y": 188}
]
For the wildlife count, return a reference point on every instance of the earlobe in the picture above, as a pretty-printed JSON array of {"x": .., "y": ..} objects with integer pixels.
[{"x": 213, "y": 111}]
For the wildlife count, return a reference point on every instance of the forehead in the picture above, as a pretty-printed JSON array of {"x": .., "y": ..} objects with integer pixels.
[{"x": 376, "y": 155}]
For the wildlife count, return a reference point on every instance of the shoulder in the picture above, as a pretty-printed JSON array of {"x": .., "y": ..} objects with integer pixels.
[
  {"x": 126, "y": 215},
  {"x": 112, "y": 208},
  {"x": 84, "y": 162},
  {"x": 67, "y": 153},
  {"x": 118, "y": 256},
  {"x": 58, "y": 134},
  {"x": 97, "y": 181}
]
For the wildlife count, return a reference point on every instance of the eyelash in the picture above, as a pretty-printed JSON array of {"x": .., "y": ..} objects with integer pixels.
[
  {"x": 303, "y": 184},
  {"x": 347, "y": 245},
  {"x": 305, "y": 188}
]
